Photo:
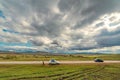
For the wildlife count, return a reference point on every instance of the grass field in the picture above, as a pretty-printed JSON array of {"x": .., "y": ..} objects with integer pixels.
[
  {"x": 38, "y": 57},
  {"x": 100, "y": 71},
  {"x": 60, "y": 72}
]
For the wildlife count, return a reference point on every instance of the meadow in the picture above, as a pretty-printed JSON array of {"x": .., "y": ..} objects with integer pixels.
[
  {"x": 98, "y": 71},
  {"x": 46, "y": 57}
]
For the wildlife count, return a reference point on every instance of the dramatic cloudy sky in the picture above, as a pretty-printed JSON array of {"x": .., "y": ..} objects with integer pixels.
[{"x": 60, "y": 25}]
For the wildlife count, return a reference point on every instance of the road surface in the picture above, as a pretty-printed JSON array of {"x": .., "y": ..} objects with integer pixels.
[{"x": 61, "y": 62}]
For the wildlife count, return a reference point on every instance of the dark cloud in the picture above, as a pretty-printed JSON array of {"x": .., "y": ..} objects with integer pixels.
[
  {"x": 81, "y": 48},
  {"x": 67, "y": 5},
  {"x": 106, "y": 32},
  {"x": 90, "y": 10},
  {"x": 36, "y": 43},
  {"x": 100, "y": 24},
  {"x": 108, "y": 38},
  {"x": 98, "y": 8},
  {"x": 55, "y": 42},
  {"x": 50, "y": 28},
  {"x": 61, "y": 24},
  {"x": 108, "y": 41}
]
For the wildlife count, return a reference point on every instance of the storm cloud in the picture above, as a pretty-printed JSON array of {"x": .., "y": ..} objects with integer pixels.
[{"x": 61, "y": 24}]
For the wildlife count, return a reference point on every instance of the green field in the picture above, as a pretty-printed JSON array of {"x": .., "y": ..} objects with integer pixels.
[
  {"x": 39, "y": 57},
  {"x": 98, "y": 71},
  {"x": 60, "y": 72}
]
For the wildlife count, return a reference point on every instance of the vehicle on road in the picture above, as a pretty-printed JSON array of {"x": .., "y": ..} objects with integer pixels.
[
  {"x": 98, "y": 60},
  {"x": 54, "y": 62}
]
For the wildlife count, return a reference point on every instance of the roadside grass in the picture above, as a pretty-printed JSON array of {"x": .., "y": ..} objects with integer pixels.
[
  {"x": 99, "y": 71},
  {"x": 39, "y": 57}
]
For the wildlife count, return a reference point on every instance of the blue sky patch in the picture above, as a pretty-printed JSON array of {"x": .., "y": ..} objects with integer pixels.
[
  {"x": 28, "y": 44},
  {"x": 10, "y": 31},
  {"x": 1, "y": 14}
]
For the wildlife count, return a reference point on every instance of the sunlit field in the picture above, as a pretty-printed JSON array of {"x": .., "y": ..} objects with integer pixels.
[
  {"x": 60, "y": 72},
  {"x": 39, "y": 57}
]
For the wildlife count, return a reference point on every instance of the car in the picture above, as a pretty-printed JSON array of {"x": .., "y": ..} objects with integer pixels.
[
  {"x": 98, "y": 60},
  {"x": 54, "y": 62}
]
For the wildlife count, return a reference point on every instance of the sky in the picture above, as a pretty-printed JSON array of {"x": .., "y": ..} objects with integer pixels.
[{"x": 60, "y": 25}]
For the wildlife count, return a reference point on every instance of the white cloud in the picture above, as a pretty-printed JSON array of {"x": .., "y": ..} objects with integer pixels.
[{"x": 69, "y": 24}]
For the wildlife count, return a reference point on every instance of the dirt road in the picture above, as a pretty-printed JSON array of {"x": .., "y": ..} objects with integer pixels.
[{"x": 61, "y": 62}]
